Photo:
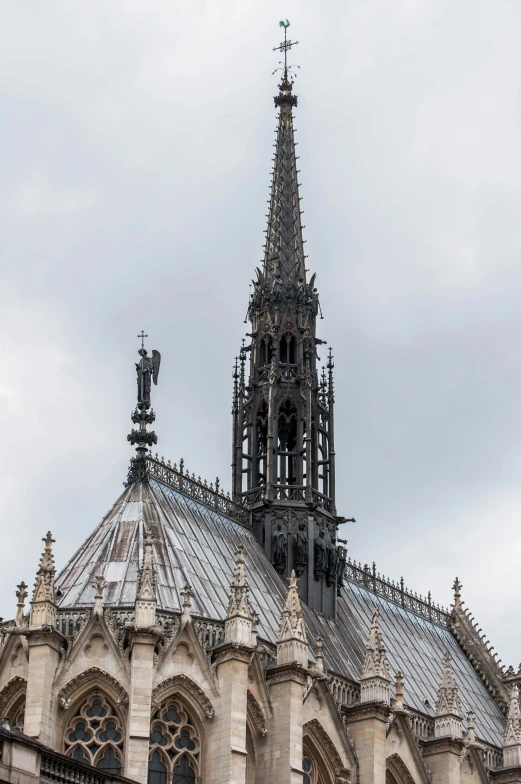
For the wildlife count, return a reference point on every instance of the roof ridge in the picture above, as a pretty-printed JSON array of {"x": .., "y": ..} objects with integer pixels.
[
  {"x": 197, "y": 488},
  {"x": 396, "y": 592}
]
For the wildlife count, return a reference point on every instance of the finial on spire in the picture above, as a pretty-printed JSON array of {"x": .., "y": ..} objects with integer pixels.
[
  {"x": 285, "y": 47},
  {"x": 457, "y": 586},
  {"x": 147, "y": 371},
  {"x": 319, "y": 655},
  {"x": 21, "y": 596}
]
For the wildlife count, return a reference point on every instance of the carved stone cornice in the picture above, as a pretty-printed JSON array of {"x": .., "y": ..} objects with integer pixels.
[
  {"x": 317, "y": 733},
  {"x": 47, "y": 636},
  {"x": 92, "y": 675},
  {"x": 231, "y": 651},
  {"x": 367, "y": 710},
  {"x": 506, "y": 775},
  {"x": 182, "y": 683},
  {"x": 286, "y": 672},
  {"x": 442, "y": 746},
  {"x": 10, "y": 692}
]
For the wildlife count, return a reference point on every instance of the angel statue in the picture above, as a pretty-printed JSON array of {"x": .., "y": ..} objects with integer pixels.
[{"x": 147, "y": 371}]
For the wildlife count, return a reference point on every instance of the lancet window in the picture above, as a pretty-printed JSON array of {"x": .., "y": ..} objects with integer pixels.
[
  {"x": 265, "y": 350},
  {"x": 287, "y": 429},
  {"x": 261, "y": 434},
  {"x": 175, "y": 748},
  {"x": 288, "y": 350},
  {"x": 95, "y": 735}
]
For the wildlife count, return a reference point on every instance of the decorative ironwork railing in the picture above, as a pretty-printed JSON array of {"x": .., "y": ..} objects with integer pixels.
[
  {"x": 285, "y": 493},
  {"x": 196, "y": 488},
  {"x": 396, "y": 592}
]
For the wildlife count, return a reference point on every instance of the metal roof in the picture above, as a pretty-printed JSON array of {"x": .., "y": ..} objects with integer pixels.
[{"x": 196, "y": 544}]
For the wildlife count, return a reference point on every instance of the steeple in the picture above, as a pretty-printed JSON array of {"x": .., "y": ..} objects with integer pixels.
[{"x": 283, "y": 454}]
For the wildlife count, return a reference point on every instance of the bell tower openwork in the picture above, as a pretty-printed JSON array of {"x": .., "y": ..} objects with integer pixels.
[{"x": 283, "y": 405}]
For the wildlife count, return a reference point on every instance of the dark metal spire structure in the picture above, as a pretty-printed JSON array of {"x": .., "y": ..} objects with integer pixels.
[
  {"x": 147, "y": 371},
  {"x": 283, "y": 450}
]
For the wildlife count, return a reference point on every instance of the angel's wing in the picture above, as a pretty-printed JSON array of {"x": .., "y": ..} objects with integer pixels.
[
  {"x": 156, "y": 361},
  {"x": 312, "y": 281}
]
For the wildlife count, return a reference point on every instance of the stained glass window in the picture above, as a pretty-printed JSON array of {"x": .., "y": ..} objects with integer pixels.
[
  {"x": 174, "y": 745},
  {"x": 95, "y": 735}
]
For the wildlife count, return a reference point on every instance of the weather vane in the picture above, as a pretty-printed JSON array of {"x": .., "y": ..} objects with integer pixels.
[{"x": 285, "y": 46}]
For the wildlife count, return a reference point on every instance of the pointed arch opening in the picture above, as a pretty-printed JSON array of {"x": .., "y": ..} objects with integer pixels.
[
  {"x": 287, "y": 446},
  {"x": 288, "y": 349},
  {"x": 95, "y": 733},
  {"x": 175, "y": 744},
  {"x": 261, "y": 444}
]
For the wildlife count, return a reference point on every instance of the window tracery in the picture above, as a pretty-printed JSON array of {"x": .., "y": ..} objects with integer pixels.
[
  {"x": 95, "y": 735},
  {"x": 18, "y": 716},
  {"x": 174, "y": 746}
]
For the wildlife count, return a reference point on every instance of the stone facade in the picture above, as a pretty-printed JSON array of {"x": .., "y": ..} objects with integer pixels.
[{"x": 171, "y": 650}]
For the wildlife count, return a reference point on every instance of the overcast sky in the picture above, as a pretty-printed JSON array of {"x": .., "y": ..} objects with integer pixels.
[{"x": 136, "y": 144}]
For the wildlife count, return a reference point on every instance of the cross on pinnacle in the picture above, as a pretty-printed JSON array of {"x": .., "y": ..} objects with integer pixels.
[
  {"x": 285, "y": 46},
  {"x": 142, "y": 336}
]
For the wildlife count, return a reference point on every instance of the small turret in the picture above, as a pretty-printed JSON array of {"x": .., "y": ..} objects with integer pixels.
[
  {"x": 146, "y": 587},
  {"x": 239, "y": 620},
  {"x": 43, "y": 604},
  {"x": 375, "y": 681},
  {"x": 292, "y": 643},
  {"x": 512, "y": 741},
  {"x": 448, "y": 720}
]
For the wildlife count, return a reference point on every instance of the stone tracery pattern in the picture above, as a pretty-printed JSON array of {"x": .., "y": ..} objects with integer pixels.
[
  {"x": 95, "y": 735},
  {"x": 174, "y": 746}
]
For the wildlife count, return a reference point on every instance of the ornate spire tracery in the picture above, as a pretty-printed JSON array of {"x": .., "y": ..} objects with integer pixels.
[
  {"x": 448, "y": 708},
  {"x": 283, "y": 462},
  {"x": 43, "y": 603}
]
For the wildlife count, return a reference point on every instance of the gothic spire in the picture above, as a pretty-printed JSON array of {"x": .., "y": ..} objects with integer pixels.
[{"x": 284, "y": 249}]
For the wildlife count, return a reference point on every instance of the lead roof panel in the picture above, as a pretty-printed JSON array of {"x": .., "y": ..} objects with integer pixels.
[{"x": 193, "y": 543}]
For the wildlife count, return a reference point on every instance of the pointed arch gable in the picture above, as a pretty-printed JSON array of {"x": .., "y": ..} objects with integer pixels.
[
  {"x": 399, "y": 772},
  {"x": 255, "y": 716},
  {"x": 324, "y": 749},
  {"x": 12, "y": 694},
  {"x": 188, "y": 690},
  {"x": 93, "y": 677}
]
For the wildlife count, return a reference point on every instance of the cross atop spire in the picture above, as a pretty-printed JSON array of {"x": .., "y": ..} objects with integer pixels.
[{"x": 285, "y": 47}]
